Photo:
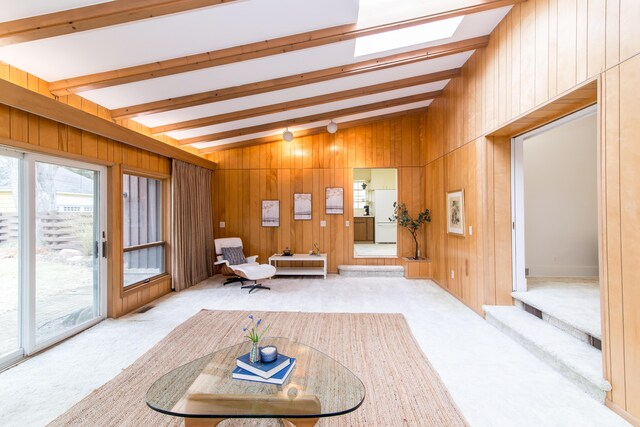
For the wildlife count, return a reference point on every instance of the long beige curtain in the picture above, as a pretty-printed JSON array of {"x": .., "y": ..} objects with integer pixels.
[{"x": 193, "y": 251}]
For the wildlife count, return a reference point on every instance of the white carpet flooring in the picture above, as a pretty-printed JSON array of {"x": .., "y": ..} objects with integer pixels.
[{"x": 494, "y": 381}]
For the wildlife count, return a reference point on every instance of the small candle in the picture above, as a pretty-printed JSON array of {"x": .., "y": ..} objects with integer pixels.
[{"x": 268, "y": 354}]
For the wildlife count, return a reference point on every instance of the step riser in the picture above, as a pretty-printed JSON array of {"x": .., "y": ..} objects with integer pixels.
[
  {"x": 576, "y": 333},
  {"x": 370, "y": 274},
  {"x": 590, "y": 388},
  {"x": 371, "y": 270}
]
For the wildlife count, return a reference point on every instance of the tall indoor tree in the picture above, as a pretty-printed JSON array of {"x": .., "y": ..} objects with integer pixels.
[{"x": 401, "y": 214}]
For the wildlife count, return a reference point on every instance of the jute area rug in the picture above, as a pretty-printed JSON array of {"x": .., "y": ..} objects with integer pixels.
[{"x": 402, "y": 388}]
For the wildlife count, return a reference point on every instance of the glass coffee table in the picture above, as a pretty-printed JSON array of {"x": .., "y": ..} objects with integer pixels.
[{"x": 204, "y": 394}]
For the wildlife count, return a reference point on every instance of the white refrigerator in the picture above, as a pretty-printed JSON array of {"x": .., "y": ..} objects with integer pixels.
[{"x": 386, "y": 231}]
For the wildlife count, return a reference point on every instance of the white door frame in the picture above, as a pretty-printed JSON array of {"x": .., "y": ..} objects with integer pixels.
[
  {"x": 29, "y": 344},
  {"x": 27, "y": 255},
  {"x": 15, "y": 356},
  {"x": 519, "y": 278}
]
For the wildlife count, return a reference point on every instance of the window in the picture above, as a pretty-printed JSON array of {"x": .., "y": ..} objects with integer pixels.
[
  {"x": 380, "y": 12},
  {"x": 359, "y": 194},
  {"x": 143, "y": 241}
]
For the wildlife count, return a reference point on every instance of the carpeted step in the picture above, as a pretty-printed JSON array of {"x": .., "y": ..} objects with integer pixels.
[
  {"x": 580, "y": 327},
  {"x": 576, "y": 360},
  {"x": 371, "y": 270}
]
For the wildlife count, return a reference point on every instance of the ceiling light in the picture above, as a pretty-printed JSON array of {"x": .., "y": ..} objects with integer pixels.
[
  {"x": 287, "y": 135},
  {"x": 332, "y": 127},
  {"x": 410, "y": 36}
]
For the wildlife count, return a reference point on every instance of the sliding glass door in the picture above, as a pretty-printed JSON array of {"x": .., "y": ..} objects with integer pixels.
[
  {"x": 10, "y": 202},
  {"x": 51, "y": 237},
  {"x": 67, "y": 267}
]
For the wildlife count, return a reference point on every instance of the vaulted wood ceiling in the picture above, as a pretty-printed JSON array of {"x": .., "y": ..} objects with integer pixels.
[{"x": 221, "y": 73}]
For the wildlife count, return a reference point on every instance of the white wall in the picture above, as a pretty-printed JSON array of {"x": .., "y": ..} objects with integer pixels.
[
  {"x": 362, "y": 174},
  {"x": 560, "y": 183},
  {"x": 383, "y": 179}
]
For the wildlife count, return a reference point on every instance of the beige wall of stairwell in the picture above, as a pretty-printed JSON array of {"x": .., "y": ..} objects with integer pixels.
[
  {"x": 542, "y": 49},
  {"x": 561, "y": 200}
]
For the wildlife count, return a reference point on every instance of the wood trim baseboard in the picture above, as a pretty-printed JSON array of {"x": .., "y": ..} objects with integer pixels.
[
  {"x": 479, "y": 311},
  {"x": 623, "y": 413},
  {"x": 124, "y": 292}
]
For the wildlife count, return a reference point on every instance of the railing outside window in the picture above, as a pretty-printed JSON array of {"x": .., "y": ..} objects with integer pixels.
[{"x": 143, "y": 242}]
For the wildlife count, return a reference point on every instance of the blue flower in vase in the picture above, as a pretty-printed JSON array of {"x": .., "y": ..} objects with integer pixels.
[
  {"x": 259, "y": 321},
  {"x": 251, "y": 316}
]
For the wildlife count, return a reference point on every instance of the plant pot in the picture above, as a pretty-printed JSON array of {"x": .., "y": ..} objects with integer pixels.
[{"x": 413, "y": 259}]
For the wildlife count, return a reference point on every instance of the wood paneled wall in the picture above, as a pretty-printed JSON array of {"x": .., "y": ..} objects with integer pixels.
[
  {"x": 542, "y": 49},
  {"x": 309, "y": 165},
  {"x": 620, "y": 234},
  {"x": 36, "y": 134}
]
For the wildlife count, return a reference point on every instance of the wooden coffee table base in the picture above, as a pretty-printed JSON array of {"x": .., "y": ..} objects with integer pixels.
[
  {"x": 299, "y": 422},
  {"x": 206, "y": 403},
  {"x": 213, "y": 422}
]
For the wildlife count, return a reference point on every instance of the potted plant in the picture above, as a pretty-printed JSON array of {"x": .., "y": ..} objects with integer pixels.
[
  {"x": 401, "y": 214},
  {"x": 254, "y": 335}
]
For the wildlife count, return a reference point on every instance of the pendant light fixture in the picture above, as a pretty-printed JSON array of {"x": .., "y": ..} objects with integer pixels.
[
  {"x": 287, "y": 135},
  {"x": 332, "y": 127}
]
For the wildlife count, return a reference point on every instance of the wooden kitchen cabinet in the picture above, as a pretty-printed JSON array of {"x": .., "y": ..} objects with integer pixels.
[{"x": 363, "y": 229}]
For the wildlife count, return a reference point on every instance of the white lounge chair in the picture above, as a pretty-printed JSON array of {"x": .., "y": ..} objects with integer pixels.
[{"x": 248, "y": 271}]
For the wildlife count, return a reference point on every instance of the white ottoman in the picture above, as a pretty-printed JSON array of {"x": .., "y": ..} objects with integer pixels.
[{"x": 255, "y": 272}]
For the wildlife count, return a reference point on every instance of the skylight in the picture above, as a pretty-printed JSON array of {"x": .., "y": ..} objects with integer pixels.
[{"x": 410, "y": 36}]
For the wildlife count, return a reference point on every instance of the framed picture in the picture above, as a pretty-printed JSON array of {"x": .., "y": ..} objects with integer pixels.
[
  {"x": 302, "y": 206},
  {"x": 455, "y": 212},
  {"x": 334, "y": 201},
  {"x": 271, "y": 213}
]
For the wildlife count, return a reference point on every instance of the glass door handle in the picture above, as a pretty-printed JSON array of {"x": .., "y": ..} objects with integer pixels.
[{"x": 104, "y": 249}]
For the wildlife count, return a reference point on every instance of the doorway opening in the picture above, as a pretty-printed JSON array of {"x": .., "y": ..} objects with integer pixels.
[
  {"x": 375, "y": 234},
  {"x": 555, "y": 224}
]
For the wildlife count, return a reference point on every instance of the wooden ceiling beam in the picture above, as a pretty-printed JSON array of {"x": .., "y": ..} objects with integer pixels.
[
  {"x": 308, "y": 132},
  {"x": 301, "y": 79},
  {"x": 312, "y": 118},
  {"x": 255, "y": 50},
  {"x": 26, "y": 100},
  {"x": 308, "y": 102},
  {"x": 92, "y": 17}
]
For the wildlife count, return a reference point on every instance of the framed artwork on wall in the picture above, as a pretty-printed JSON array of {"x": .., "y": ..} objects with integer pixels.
[
  {"x": 455, "y": 212},
  {"x": 334, "y": 201},
  {"x": 302, "y": 206},
  {"x": 271, "y": 213}
]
